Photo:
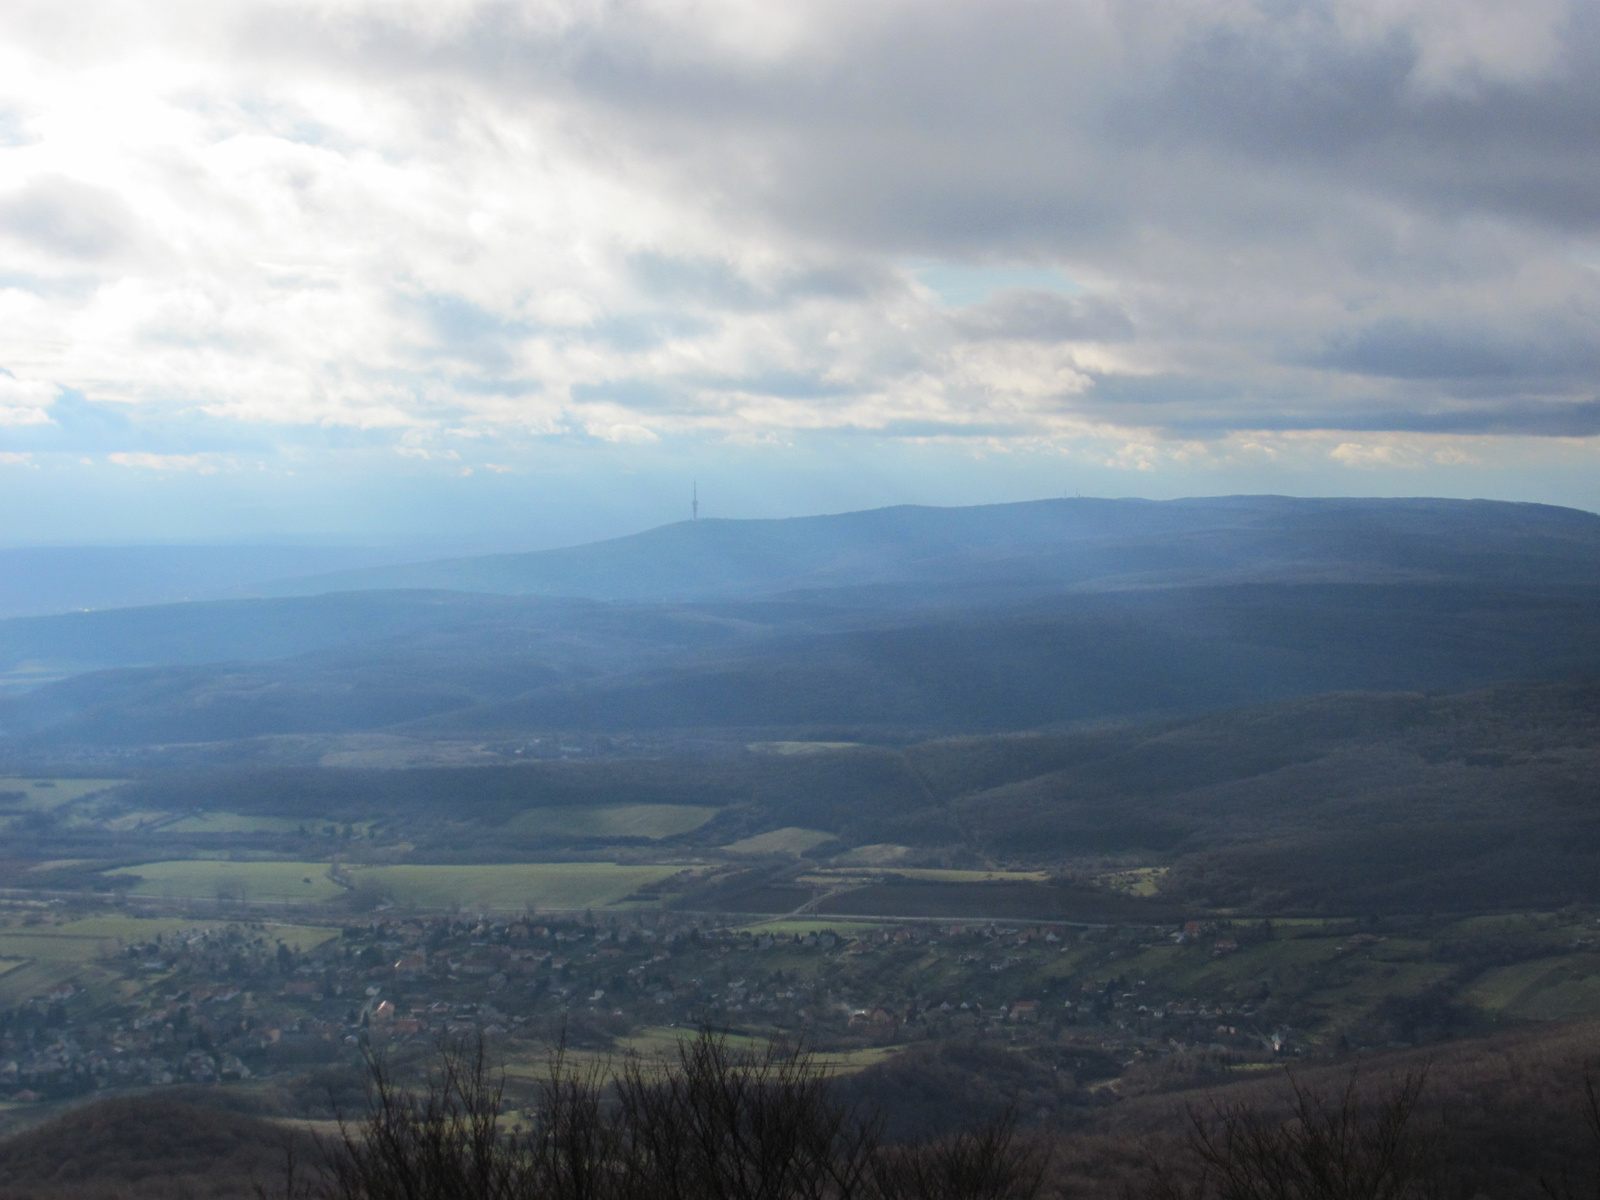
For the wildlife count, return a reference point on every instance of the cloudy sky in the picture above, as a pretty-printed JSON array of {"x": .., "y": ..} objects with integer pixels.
[{"x": 522, "y": 273}]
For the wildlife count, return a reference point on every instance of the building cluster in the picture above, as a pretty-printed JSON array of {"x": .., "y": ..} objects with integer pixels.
[{"x": 236, "y": 1002}]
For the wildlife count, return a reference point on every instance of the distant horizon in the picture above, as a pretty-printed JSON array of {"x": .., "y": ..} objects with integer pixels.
[
  {"x": 465, "y": 544},
  {"x": 515, "y": 275}
]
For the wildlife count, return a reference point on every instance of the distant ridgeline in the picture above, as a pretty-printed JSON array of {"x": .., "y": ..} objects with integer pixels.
[{"x": 895, "y": 623}]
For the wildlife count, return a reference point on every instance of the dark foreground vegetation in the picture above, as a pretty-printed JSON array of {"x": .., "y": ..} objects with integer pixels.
[
  {"x": 1511, "y": 1117},
  {"x": 724, "y": 1124},
  {"x": 716, "y": 1123}
]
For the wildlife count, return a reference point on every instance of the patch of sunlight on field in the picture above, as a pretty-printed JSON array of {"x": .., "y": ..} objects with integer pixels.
[
  {"x": 52, "y": 793},
  {"x": 662, "y": 1042},
  {"x": 879, "y": 854},
  {"x": 789, "y": 840},
  {"x": 653, "y": 821},
  {"x": 58, "y": 864},
  {"x": 509, "y": 885},
  {"x": 212, "y": 879},
  {"x": 1545, "y": 989},
  {"x": 126, "y": 822}
]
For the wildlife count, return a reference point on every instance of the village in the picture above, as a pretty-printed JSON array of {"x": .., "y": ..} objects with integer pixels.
[{"x": 233, "y": 1002}]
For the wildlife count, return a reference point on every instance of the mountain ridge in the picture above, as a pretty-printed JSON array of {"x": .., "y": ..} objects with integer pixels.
[{"x": 1042, "y": 543}]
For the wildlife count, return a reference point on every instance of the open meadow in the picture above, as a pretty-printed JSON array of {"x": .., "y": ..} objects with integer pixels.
[
  {"x": 653, "y": 821},
  {"x": 25, "y": 794},
  {"x": 506, "y": 886},
  {"x": 789, "y": 840}
]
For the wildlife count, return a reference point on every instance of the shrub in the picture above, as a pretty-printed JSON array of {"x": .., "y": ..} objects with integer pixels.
[{"x": 716, "y": 1124}]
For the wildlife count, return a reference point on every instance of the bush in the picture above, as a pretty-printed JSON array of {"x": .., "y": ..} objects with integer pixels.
[
  {"x": 1325, "y": 1148},
  {"x": 717, "y": 1124}
]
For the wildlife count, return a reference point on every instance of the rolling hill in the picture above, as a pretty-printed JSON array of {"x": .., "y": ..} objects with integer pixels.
[
  {"x": 895, "y": 623},
  {"x": 1042, "y": 545}
]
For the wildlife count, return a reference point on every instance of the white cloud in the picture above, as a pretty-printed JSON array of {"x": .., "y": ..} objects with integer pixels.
[
  {"x": 25, "y": 401},
  {"x": 640, "y": 221},
  {"x": 164, "y": 462}
]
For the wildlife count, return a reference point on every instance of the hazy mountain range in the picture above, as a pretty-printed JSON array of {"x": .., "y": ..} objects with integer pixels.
[{"x": 912, "y": 619}]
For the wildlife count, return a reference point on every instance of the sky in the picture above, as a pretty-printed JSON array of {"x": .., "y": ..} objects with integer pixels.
[{"x": 523, "y": 274}]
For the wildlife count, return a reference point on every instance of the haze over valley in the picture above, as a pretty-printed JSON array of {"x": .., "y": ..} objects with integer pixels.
[{"x": 666, "y": 600}]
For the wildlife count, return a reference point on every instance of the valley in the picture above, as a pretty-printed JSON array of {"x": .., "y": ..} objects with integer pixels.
[{"x": 1085, "y": 844}]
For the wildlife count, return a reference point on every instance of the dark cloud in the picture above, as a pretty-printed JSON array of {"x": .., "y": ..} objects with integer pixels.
[
  {"x": 1048, "y": 126},
  {"x": 1576, "y": 420},
  {"x": 1405, "y": 349},
  {"x": 1187, "y": 409}
]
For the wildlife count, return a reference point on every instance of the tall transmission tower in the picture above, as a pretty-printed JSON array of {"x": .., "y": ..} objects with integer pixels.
[{"x": 694, "y": 505}]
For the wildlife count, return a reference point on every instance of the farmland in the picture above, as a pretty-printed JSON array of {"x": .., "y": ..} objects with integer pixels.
[
  {"x": 788, "y": 840},
  {"x": 35, "y": 957},
  {"x": 46, "y": 794},
  {"x": 492, "y": 886},
  {"x": 509, "y": 885},
  {"x": 653, "y": 821},
  {"x": 201, "y": 879},
  {"x": 827, "y": 875}
]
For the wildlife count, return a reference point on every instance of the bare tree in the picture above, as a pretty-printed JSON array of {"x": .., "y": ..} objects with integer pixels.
[
  {"x": 1564, "y": 1190},
  {"x": 1326, "y": 1148},
  {"x": 716, "y": 1124},
  {"x": 988, "y": 1163}
]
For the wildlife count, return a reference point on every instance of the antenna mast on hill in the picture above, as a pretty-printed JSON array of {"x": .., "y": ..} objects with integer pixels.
[{"x": 694, "y": 505}]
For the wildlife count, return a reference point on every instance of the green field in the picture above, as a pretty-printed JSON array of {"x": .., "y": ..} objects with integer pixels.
[
  {"x": 496, "y": 885},
  {"x": 790, "y": 840},
  {"x": 653, "y": 821},
  {"x": 210, "y": 879},
  {"x": 659, "y": 1044},
  {"x": 1541, "y": 990},
  {"x": 927, "y": 875},
  {"x": 509, "y": 885},
  {"x": 35, "y": 958}
]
